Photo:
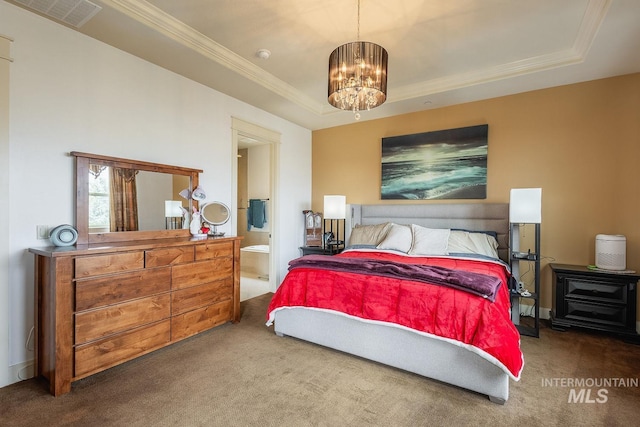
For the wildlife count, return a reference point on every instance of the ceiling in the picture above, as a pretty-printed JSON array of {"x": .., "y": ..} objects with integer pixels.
[{"x": 441, "y": 52}]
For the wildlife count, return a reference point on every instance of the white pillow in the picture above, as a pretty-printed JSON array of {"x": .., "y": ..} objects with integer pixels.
[
  {"x": 472, "y": 243},
  {"x": 429, "y": 241},
  {"x": 399, "y": 238}
]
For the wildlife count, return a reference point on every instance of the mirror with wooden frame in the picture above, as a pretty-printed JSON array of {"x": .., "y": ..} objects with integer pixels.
[{"x": 120, "y": 200}]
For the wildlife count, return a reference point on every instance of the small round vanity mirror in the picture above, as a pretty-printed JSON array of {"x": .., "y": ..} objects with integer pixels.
[{"x": 215, "y": 213}]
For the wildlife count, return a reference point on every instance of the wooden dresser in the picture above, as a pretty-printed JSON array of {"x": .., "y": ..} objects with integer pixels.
[{"x": 100, "y": 305}]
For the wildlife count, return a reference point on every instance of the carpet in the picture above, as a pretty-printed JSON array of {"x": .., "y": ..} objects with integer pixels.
[{"x": 244, "y": 375}]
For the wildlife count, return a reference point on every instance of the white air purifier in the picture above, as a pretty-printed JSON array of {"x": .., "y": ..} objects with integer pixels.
[{"x": 611, "y": 252}]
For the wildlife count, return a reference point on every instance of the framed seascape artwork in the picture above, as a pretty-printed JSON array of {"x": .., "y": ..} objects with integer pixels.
[{"x": 444, "y": 164}]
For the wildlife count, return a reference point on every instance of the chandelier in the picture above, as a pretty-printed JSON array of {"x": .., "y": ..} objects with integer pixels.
[{"x": 358, "y": 75}]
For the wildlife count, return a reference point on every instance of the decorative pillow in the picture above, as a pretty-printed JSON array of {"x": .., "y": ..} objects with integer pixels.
[
  {"x": 472, "y": 243},
  {"x": 494, "y": 234},
  {"x": 429, "y": 241},
  {"x": 368, "y": 234},
  {"x": 398, "y": 238}
]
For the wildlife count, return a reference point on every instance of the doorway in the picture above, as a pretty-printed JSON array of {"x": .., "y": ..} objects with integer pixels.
[{"x": 255, "y": 190}]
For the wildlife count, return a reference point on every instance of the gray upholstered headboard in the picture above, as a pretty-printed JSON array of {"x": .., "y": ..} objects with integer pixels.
[{"x": 467, "y": 216}]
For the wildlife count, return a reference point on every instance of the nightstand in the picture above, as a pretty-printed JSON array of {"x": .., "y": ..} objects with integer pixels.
[
  {"x": 594, "y": 300},
  {"x": 319, "y": 250}
]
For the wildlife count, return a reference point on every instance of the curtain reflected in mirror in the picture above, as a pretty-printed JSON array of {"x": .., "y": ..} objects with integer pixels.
[{"x": 123, "y": 196}]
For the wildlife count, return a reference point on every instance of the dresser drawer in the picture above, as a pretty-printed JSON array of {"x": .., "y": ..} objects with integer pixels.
[
  {"x": 94, "y": 324},
  {"x": 168, "y": 256},
  {"x": 111, "y": 351},
  {"x": 116, "y": 288},
  {"x": 109, "y": 263},
  {"x": 610, "y": 315},
  {"x": 214, "y": 250},
  {"x": 201, "y": 272},
  {"x": 194, "y": 321},
  {"x": 187, "y": 299},
  {"x": 595, "y": 291}
]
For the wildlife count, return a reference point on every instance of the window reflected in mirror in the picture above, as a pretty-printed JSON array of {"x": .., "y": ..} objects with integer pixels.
[
  {"x": 131, "y": 200},
  {"x": 98, "y": 199}
]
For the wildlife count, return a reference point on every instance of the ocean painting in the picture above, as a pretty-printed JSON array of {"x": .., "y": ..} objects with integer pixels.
[{"x": 445, "y": 164}]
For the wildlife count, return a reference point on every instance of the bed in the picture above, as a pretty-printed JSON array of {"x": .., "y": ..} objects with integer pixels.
[{"x": 442, "y": 312}]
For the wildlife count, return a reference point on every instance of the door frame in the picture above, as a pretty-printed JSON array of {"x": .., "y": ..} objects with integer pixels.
[{"x": 241, "y": 128}]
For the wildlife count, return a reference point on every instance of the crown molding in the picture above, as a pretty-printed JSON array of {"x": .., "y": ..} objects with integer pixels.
[
  {"x": 594, "y": 16},
  {"x": 155, "y": 18}
]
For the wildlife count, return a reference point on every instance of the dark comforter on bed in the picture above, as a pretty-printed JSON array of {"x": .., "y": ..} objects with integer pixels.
[{"x": 435, "y": 296}]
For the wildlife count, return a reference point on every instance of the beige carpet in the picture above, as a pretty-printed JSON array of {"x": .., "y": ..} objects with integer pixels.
[{"x": 244, "y": 375}]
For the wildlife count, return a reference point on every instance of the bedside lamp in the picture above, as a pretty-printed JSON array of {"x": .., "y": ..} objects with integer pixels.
[
  {"x": 525, "y": 206},
  {"x": 335, "y": 211}
]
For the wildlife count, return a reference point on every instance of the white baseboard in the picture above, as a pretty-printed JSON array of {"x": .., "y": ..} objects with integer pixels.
[
  {"x": 545, "y": 313},
  {"x": 22, "y": 371}
]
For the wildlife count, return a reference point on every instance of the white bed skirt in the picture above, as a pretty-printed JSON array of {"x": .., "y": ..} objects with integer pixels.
[{"x": 400, "y": 348}]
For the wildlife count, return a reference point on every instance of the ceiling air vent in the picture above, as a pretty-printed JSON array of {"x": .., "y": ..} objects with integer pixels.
[{"x": 72, "y": 12}]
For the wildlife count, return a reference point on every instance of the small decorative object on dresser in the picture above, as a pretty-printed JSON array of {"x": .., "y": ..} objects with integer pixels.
[
  {"x": 598, "y": 300},
  {"x": 196, "y": 224}
]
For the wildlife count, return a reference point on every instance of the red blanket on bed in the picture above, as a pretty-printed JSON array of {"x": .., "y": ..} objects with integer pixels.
[{"x": 471, "y": 321}]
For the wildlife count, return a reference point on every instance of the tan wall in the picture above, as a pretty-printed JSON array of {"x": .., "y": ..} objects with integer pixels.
[{"x": 580, "y": 143}]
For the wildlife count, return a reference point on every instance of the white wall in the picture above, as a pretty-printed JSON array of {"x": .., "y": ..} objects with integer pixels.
[
  {"x": 68, "y": 93},
  {"x": 258, "y": 181},
  {"x": 5, "y": 54}
]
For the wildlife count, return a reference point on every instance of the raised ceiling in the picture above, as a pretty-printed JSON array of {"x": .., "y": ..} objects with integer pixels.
[{"x": 441, "y": 52}]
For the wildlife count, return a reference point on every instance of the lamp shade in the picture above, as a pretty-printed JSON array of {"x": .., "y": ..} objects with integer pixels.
[
  {"x": 335, "y": 207},
  {"x": 358, "y": 76},
  {"x": 172, "y": 208},
  {"x": 525, "y": 206}
]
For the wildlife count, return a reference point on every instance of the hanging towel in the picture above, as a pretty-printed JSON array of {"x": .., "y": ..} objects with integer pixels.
[{"x": 257, "y": 213}]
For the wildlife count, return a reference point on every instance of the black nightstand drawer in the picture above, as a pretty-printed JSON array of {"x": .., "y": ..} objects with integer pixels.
[
  {"x": 601, "y": 301},
  {"x": 609, "y": 315},
  {"x": 596, "y": 291}
]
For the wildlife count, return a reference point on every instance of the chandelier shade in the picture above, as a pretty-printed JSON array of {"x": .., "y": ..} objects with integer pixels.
[{"x": 358, "y": 76}]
